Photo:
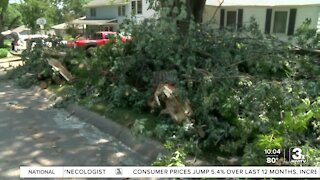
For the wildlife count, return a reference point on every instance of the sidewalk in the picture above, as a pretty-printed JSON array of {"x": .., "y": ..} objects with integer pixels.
[
  {"x": 32, "y": 133},
  {"x": 146, "y": 147}
]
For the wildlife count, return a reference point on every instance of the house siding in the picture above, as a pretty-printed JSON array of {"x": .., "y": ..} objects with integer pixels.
[
  {"x": 111, "y": 12},
  {"x": 318, "y": 26},
  {"x": 107, "y": 12},
  {"x": 308, "y": 12},
  {"x": 259, "y": 13}
]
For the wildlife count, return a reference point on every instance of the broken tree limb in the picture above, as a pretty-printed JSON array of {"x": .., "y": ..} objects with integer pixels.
[
  {"x": 54, "y": 54},
  {"x": 57, "y": 66},
  {"x": 306, "y": 51}
]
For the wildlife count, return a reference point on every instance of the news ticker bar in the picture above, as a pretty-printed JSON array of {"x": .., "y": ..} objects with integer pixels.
[{"x": 169, "y": 172}]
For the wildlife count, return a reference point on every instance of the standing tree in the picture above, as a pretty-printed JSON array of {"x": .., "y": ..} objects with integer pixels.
[
  {"x": 3, "y": 8},
  {"x": 55, "y": 11},
  {"x": 193, "y": 10},
  {"x": 13, "y": 16},
  {"x": 6, "y": 21},
  {"x": 34, "y": 9},
  {"x": 72, "y": 9}
]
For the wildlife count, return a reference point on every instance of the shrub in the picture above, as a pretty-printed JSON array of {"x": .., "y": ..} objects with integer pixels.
[
  {"x": 67, "y": 37},
  {"x": 3, "y": 53}
]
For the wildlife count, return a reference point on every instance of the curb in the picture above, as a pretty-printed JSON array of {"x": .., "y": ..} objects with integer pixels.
[
  {"x": 147, "y": 148},
  {"x": 10, "y": 59}
]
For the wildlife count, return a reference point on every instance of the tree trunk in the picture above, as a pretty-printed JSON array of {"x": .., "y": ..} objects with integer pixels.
[
  {"x": 195, "y": 9},
  {"x": 3, "y": 7}
]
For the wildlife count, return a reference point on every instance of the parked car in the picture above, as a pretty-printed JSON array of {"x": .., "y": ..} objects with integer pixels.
[{"x": 98, "y": 39}]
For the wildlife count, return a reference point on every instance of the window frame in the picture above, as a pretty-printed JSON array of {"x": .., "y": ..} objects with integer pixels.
[
  {"x": 236, "y": 18},
  {"x": 121, "y": 10},
  {"x": 139, "y": 4},
  {"x": 135, "y": 4},
  {"x": 93, "y": 12},
  {"x": 287, "y": 10},
  {"x": 226, "y": 18}
]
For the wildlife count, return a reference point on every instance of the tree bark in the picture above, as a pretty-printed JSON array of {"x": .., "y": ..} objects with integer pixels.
[
  {"x": 195, "y": 9},
  {"x": 1, "y": 29}
]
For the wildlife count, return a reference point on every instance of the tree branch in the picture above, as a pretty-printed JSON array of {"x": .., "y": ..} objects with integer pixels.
[{"x": 13, "y": 22}]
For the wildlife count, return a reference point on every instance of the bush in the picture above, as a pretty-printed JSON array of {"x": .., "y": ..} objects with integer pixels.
[
  {"x": 3, "y": 53},
  {"x": 67, "y": 37}
]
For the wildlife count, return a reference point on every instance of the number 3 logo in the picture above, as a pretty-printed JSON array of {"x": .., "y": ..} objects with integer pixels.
[{"x": 297, "y": 153}]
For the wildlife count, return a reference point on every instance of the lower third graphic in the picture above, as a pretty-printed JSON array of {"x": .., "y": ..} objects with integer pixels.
[{"x": 296, "y": 155}]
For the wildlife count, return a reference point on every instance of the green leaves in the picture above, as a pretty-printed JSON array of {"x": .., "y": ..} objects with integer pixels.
[
  {"x": 269, "y": 141},
  {"x": 4, "y": 5},
  {"x": 296, "y": 121}
]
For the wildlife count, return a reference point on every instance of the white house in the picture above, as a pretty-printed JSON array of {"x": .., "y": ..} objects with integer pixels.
[
  {"x": 107, "y": 15},
  {"x": 278, "y": 17}
]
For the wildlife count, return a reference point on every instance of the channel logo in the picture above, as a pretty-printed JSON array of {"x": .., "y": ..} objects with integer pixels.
[{"x": 296, "y": 155}]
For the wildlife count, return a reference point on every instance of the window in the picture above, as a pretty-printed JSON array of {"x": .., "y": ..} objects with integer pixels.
[
  {"x": 121, "y": 11},
  {"x": 93, "y": 12},
  {"x": 139, "y": 10},
  {"x": 231, "y": 18},
  {"x": 280, "y": 22},
  {"x": 133, "y": 7},
  {"x": 136, "y": 7}
]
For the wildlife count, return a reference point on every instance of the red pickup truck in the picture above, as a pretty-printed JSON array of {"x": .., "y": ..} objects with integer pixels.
[{"x": 98, "y": 39}]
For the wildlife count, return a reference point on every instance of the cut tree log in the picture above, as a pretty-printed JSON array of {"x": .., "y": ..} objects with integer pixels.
[
  {"x": 306, "y": 51},
  {"x": 57, "y": 66},
  {"x": 43, "y": 85}
]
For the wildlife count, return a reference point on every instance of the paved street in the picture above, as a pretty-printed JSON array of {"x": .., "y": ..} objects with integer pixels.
[
  {"x": 9, "y": 63},
  {"x": 34, "y": 134}
]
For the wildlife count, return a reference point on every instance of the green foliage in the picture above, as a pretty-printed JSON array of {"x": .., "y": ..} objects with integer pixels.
[
  {"x": 11, "y": 14},
  {"x": 248, "y": 92},
  {"x": 239, "y": 85},
  {"x": 35, "y": 66},
  {"x": 55, "y": 11},
  {"x": 307, "y": 37},
  {"x": 177, "y": 158},
  {"x": 3, "y": 53},
  {"x": 34, "y": 9},
  {"x": 4, "y": 5}
]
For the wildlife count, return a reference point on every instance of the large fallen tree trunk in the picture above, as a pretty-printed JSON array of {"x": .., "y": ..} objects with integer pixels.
[
  {"x": 299, "y": 50},
  {"x": 54, "y": 54}
]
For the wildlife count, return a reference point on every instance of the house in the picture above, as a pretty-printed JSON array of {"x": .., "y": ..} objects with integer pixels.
[
  {"x": 277, "y": 17},
  {"x": 22, "y": 30},
  {"x": 61, "y": 29},
  {"x": 107, "y": 15}
]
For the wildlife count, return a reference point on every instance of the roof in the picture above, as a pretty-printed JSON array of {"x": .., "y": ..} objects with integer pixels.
[
  {"x": 94, "y": 22},
  {"x": 98, "y": 3},
  {"x": 60, "y": 26},
  {"x": 20, "y": 29},
  {"x": 63, "y": 26},
  {"x": 263, "y": 2}
]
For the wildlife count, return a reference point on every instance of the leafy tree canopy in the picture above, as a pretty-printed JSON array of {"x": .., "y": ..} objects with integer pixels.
[{"x": 55, "y": 11}]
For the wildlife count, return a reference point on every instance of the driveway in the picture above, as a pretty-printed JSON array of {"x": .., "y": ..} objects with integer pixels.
[{"x": 32, "y": 133}]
